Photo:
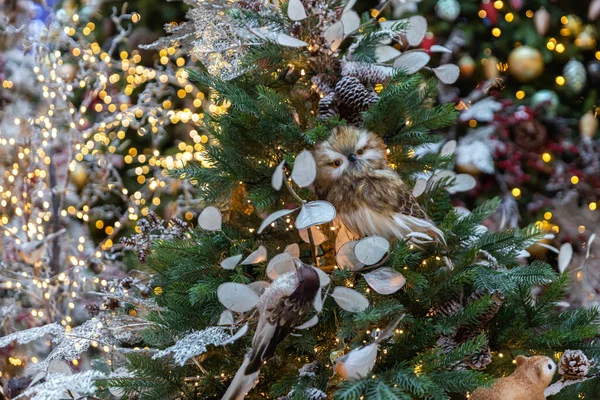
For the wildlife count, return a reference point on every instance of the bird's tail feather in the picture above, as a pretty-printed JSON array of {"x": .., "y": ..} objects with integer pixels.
[
  {"x": 241, "y": 383},
  {"x": 420, "y": 225}
]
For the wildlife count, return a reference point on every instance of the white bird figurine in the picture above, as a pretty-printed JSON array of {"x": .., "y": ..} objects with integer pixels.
[{"x": 359, "y": 362}]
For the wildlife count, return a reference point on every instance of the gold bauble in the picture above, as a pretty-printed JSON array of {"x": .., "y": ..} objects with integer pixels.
[
  {"x": 79, "y": 176},
  {"x": 588, "y": 125},
  {"x": 526, "y": 63},
  {"x": 573, "y": 24},
  {"x": 587, "y": 38},
  {"x": 67, "y": 72}
]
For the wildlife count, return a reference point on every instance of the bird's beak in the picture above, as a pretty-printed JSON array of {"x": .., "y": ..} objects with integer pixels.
[{"x": 352, "y": 157}]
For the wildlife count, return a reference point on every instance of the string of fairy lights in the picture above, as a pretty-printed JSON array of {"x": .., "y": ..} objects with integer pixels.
[{"x": 68, "y": 154}]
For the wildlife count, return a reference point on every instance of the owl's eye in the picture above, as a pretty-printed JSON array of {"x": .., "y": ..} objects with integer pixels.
[
  {"x": 360, "y": 152},
  {"x": 337, "y": 163}
]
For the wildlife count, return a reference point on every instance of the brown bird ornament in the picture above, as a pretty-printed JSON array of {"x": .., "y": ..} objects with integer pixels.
[
  {"x": 353, "y": 174},
  {"x": 528, "y": 382},
  {"x": 284, "y": 305}
]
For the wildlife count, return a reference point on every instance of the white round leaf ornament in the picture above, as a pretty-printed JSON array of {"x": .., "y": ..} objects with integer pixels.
[
  {"x": 210, "y": 219},
  {"x": 315, "y": 213},
  {"x": 274, "y": 217},
  {"x": 305, "y": 169},
  {"x": 385, "y": 280},
  {"x": 231, "y": 262},
  {"x": 237, "y": 297},
  {"x": 226, "y": 318},
  {"x": 371, "y": 250},
  {"x": 564, "y": 256},
  {"x": 257, "y": 256},
  {"x": 346, "y": 259},
  {"x": 349, "y": 299},
  {"x": 296, "y": 10},
  {"x": 280, "y": 264},
  {"x": 278, "y": 177}
]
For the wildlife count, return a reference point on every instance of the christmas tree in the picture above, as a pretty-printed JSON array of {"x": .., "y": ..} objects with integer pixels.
[{"x": 291, "y": 288}]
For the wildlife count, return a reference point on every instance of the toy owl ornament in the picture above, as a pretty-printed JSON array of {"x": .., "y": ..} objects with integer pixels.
[{"x": 353, "y": 174}]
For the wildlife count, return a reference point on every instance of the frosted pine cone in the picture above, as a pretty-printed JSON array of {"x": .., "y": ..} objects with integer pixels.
[
  {"x": 323, "y": 83},
  {"x": 327, "y": 107},
  {"x": 367, "y": 74},
  {"x": 573, "y": 364},
  {"x": 446, "y": 344},
  {"x": 354, "y": 95},
  {"x": 309, "y": 394},
  {"x": 308, "y": 370}
]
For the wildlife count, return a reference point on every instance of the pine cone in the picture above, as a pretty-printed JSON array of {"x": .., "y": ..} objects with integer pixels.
[
  {"x": 327, "y": 70},
  {"x": 446, "y": 343},
  {"x": 309, "y": 370},
  {"x": 179, "y": 223},
  {"x": 323, "y": 83},
  {"x": 368, "y": 74},
  {"x": 154, "y": 219},
  {"x": 458, "y": 303},
  {"x": 530, "y": 135},
  {"x": 112, "y": 304},
  {"x": 92, "y": 309},
  {"x": 309, "y": 394},
  {"x": 497, "y": 301},
  {"x": 353, "y": 98},
  {"x": 351, "y": 116},
  {"x": 573, "y": 364},
  {"x": 126, "y": 282},
  {"x": 354, "y": 95},
  {"x": 449, "y": 308},
  {"x": 477, "y": 361},
  {"x": 327, "y": 108},
  {"x": 142, "y": 255},
  {"x": 480, "y": 361},
  {"x": 252, "y": 5}
]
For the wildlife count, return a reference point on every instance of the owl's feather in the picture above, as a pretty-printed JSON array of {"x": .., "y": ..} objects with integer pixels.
[{"x": 370, "y": 197}]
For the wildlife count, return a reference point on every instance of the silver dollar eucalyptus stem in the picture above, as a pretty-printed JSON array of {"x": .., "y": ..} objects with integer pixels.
[{"x": 308, "y": 230}]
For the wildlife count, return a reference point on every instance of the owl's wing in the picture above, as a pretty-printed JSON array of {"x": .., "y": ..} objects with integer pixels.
[{"x": 384, "y": 191}]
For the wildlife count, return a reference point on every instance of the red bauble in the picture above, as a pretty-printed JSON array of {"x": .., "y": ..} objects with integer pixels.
[
  {"x": 428, "y": 41},
  {"x": 490, "y": 10}
]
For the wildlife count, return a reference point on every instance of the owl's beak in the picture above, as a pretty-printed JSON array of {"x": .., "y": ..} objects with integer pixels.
[{"x": 352, "y": 157}]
